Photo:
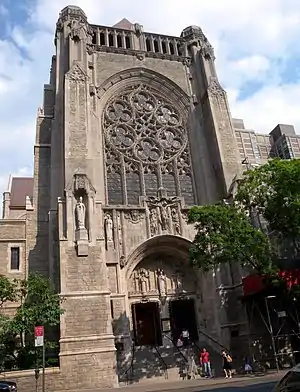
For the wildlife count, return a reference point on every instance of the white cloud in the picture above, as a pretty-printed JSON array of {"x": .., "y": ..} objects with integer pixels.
[{"x": 254, "y": 41}]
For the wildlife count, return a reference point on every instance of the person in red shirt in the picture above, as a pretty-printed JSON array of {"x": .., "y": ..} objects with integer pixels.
[{"x": 205, "y": 362}]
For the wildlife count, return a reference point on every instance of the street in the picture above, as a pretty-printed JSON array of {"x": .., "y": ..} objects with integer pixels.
[{"x": 239, "y": 387}]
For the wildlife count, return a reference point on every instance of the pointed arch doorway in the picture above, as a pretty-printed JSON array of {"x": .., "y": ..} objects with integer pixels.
[{"x": 162, "y": 291}]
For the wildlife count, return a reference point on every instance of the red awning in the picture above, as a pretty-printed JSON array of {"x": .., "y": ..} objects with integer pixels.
[{"x": 253, "y": 284}]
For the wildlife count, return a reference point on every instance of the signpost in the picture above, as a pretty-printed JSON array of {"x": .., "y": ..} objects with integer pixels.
[{"x": 39, "y": 342}]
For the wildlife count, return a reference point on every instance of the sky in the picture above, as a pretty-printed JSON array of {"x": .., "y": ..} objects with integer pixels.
[{"x": 256, "y": 45}]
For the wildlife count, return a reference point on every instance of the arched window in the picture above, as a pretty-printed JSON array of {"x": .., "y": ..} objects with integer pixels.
[{"x": 147, "y": 147}]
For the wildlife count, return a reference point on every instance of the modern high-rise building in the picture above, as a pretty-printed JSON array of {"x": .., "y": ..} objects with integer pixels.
[
  {"x": 281, "y": 142},
  {"x": 134, "y": 129}
]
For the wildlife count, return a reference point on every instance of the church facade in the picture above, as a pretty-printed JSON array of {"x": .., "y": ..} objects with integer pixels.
[{"x": 135, "y": 129}]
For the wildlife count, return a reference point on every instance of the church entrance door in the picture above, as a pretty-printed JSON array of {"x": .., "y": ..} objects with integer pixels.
[
  {"x": 182, "y": 316},
  {"x": 146, "y": 324}
]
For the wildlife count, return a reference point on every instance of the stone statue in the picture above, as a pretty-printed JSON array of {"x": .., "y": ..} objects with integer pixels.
[
  {"x": 80, "y": 214},
  {"x": 153, "y": 221},
  {"x": 179, "y": 282},
  {"x": 143, "y": 276},
  {"x": 109, "y": 228},
  {"x": 175, "y": 220},
  {"x": 164, "y": 218},
  {"x": 162, "y": 282}
]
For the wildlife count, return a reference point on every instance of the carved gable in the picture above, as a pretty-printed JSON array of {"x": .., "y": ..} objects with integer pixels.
[{"x": 76, "y": 74}]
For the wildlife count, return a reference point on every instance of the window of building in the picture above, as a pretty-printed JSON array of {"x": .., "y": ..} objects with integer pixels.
[
  {"x": 110, "y": 40},
  {"x": 148, "y": 46},
  {"x": 172, "y": 51},
  {"x": 127, "y": 42},
  {"x": 15, "y": 258},
  {"x": 119, "y": 41},
  {"x": 102, "y": 39},
  {"x": 179, "y": 49}
]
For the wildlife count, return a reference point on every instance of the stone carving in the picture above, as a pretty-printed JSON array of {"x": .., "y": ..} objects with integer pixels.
[
  {"x": 153, "y": 222},
  {"x": 161, "y": 205},
  {"x": 76, "y": 74},
  {"x": 187, "y": 61},
  {"x": 207, "y": 51},
  {"x": 134, "y": 216},
  {"x": 123, "y": 261},
  {"x": 179, "y": 282},
  {"x": 143, "y": 279},
  {"x": 80, "y": 30},
  {"x": 109, "y": 227},
  {"x": 140, "y": 56},
  {"x": 215, "y": 88},
  {"x": 138, "y": 29},
  {"x": 81, "y": 234},
  {"x": 161, "y": 283},
  {"x": 164, "y": 217},
  {"x": 80, "y": 182},
  {"x": 80, "y": 213},
  {"x": 175, "y": 220}
]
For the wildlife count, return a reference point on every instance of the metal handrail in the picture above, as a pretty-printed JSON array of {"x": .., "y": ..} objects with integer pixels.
[
  {"x": 178, "y": 349},
  {"x": 131, "y": 363},
  {"x": 214, "y": 340},
  {"x": 162, "y": 361}
]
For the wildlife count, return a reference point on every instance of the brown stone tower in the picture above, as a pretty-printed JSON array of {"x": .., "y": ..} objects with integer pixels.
[{"x": 134, "y": 130}]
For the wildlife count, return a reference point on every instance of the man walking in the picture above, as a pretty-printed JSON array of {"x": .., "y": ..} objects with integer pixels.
[{"x": 205, "y": 363}]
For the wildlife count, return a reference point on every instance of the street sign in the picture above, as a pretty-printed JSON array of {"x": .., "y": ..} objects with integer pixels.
[{"x": 39, "y": 336}]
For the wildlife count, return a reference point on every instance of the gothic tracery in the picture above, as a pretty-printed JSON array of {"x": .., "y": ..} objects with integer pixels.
[{"x": 146, "y": 147}]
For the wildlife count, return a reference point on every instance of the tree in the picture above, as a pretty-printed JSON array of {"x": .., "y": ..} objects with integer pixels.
[
  {"x": 273, "y": 190},
  {"x": 225, "y": 235},
  {"x": 37, "y": 304}
]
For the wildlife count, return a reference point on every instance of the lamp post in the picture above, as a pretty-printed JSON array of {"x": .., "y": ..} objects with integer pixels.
[{"x": 271, "y": 331}]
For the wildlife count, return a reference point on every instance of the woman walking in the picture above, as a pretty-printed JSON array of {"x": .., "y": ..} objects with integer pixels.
[{"x": 227, "y": 364}]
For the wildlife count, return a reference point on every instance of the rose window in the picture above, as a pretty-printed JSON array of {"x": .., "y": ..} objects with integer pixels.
[
  {"x": 144, "y": 127},
  {"x": 146, "y": 144}
]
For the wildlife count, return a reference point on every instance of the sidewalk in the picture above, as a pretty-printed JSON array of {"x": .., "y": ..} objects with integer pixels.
[{"x": 194, "y": 385}]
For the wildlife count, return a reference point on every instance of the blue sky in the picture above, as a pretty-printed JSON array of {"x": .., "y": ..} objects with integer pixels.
[{"x": 256, "y": 44}]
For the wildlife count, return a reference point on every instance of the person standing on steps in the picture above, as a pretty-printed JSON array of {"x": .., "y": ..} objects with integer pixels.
[
  {"x": 185, "y": 337},
  {"x": 205, "y": 363},
  {"x": 227, "y": 364}
]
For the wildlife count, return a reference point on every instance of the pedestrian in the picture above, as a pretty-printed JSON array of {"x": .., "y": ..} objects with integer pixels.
[
  {"x": 247, "y": 367},
  {"x": 205, "y": 363},
  {"x": 185, "y": 337},
  {"x": 227, "y": 364}
]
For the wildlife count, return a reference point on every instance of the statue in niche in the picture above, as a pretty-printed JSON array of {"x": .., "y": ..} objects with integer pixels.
[
  {"x": 175, "y": 219},
  {"x": 153, "y": 221},
  {"x": 162, "y": 282},
  {"x": 109, "y": 228},
  {"x": 80, "y": 213},
  {"x": 143, "y": 276},
  {"x": 179, "y": 282}
]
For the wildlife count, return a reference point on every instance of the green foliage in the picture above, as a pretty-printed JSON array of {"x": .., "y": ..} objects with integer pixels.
[
  {"x": 37, "y": 304},
  {"x": 274, "y": 191},
  {"x": 225, "y": 235},
  {"x": 8, "y": 290},
  {"x": 40, "y": 305}
]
